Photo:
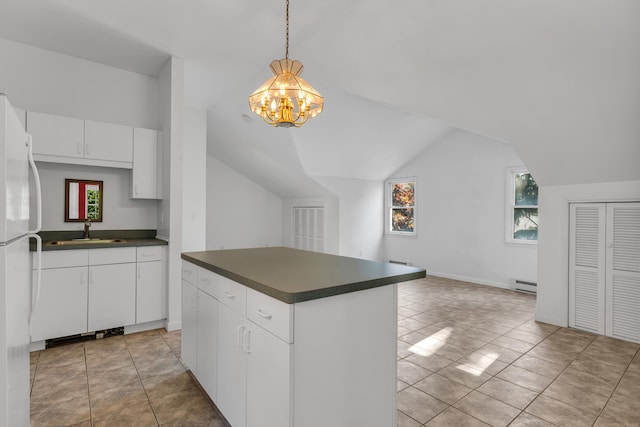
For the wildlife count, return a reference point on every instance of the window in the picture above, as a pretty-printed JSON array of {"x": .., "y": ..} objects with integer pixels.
[
  {"x": 522, "y": 207},
  {"x": 401, "y": 206}
]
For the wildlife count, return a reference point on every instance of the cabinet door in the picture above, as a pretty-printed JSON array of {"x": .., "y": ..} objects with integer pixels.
[
  {"x": 145, "y": 164},
  {"x": 207, "y": 343},
  {"x": 189, "y": 324},
  {"x": 268, "y": 380},
  {"x": 232, "y": 366},
  {"x": 56, "y": 135},
  {"x": 62, "y": 306},
  {"x": 587, "y": 266},
  {"x": 108, "y": 141},
  {"x": 623, "y": 271},
  {"x": 112, "y": 296},
  {"x": 149, "y": 292}
]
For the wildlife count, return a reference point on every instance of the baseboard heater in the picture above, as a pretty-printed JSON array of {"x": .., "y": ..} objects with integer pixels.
[
  {"x": 398, "y": 262},
  {"x": 524, "y": 286}
]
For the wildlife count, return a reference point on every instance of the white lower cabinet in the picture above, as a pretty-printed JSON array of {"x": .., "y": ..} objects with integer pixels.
[
  {"x": 324, "y": 362},
  {"x": 90, "y": 290},
  {"x": 151, "y": 285},
  {"x": 62, "y": 306},
  {"x": 232, "y": 366},
  {"x": 189, "y": 333},
  {"x": 207, "y": 338},
  {"x": 112, "y": 296},
  {"x": 269, "y": 386},
  {"x": 200, "y": 334}
]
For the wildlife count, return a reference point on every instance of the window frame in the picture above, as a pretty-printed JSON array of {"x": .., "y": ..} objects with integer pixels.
[
  {"x": 389, "y": 208},
  {"x": 510, "y": 206}
]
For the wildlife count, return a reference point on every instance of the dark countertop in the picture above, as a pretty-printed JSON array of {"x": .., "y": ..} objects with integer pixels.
[
  {"x": 292, "y": 275},
  {"x": 130, "y": 238}
]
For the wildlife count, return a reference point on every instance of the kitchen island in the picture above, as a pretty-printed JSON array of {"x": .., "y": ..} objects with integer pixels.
[{"x": 284, "y": 337}]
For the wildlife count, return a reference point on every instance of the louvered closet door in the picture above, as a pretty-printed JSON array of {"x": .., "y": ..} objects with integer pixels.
[
  {"x": 587, "y": 267},
  {"x": 308, "y": 228},
  {"x": 623, "y": 271}
]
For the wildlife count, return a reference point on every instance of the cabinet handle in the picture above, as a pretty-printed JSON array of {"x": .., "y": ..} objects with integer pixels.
[
  {"x": 139, "y": 276},
  {"x": 79, "y": 145},
  {"x": 194, "y": 301},
  {"x": 240, "y": 334},
  {"x": 228, "y": 295},
  {"x": 86, "y": 149},
  {"x": 206, "y": 281},
  {"x": 82, "y": 277},
  {"x": 91, "y": 276},
  {"x": 262, "y": 314},
  {"x": 135, "y": 189},
  {"x": 246, "y": 338}
]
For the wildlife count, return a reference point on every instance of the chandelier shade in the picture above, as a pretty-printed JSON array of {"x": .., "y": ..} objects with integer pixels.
[{"x": 286, "y": 99}]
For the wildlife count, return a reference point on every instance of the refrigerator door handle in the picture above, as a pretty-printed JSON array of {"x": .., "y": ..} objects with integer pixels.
[
  {"x": 36, "y": 177},
  {"x": 36, "y": 294}
]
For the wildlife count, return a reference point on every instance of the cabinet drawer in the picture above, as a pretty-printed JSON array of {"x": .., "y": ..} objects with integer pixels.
[
  {"x": 273, "y": 315},
  {"x": 232, "y": 294},
  {"x": 56, "y": 259},
  {"x": 149, "y": 253},
  {"x": 112, "y": 256},
  {"x": 190, "y": 272},
  {"x": 208, "y": 281}
]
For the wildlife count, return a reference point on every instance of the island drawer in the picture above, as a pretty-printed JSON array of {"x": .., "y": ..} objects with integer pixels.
[
  {"x": 232, "y": 294},
  {"x": 190, "y": 273},
  {"x": 208, "y": 281},
  {"x": 273, "y": 315}
]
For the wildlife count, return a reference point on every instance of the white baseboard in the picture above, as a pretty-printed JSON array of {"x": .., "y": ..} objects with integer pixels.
[
  {"x": 132, "y": 329},
  {"x": 172, "y": 326},
  {"x": 552, "y": 320},
  {"x": 470, "y": 279},
  {"x": 37, "y": 345}
]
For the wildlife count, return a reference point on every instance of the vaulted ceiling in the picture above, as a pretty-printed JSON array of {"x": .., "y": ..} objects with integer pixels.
[{"x": 556, "y": 79}]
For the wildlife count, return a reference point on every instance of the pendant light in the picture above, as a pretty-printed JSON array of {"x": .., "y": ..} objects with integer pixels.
[{"x": 286, "y": 99}]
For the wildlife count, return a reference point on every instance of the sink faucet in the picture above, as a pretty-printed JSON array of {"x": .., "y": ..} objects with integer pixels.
[{"x": 87, "y": 224}]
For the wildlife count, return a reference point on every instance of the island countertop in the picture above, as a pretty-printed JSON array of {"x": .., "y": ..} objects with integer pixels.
[{"x": 293, "y": 275}]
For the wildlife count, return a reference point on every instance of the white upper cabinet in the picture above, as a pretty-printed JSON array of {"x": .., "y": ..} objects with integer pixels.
[
  {"x": 69, "y": 140},
  {"x": 56, "y": 135},
  {"x": 108, "y": 141},
  {"x": 146, "y": 174}
]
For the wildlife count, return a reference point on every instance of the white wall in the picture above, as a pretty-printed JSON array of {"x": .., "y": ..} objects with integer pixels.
[
  {"x": 194, "y": 194},
  {"x": 553, "y": 245},
  {"x": 119, "y": 211},
  {"x": 240, "y": 213},
  {"x": 40, "y": 80},
  {"x": 44, "y": 81},
  {"x": 360, "y": 216},
  {"x": 461, "y": 213}
]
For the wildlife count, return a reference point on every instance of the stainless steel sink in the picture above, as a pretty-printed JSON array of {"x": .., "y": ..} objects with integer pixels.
[{"x": 85, "y": 241}]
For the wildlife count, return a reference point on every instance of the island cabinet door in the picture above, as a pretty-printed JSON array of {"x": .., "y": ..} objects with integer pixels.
[
  {"x": 268, "y": 380},
  {"x": 189, "y": 324},
  {"x": 207, "y": 343},
  {"x": 233, "y": 333}
]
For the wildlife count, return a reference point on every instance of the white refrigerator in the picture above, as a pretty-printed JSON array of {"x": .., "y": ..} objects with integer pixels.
[{"x": 16, "y": 303}]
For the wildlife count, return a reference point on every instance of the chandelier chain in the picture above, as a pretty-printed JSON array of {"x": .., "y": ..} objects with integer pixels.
[{"x": 286, "y": 53}]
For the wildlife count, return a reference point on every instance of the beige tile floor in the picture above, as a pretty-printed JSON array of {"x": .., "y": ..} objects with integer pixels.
[{"x": 468, "y": 355}]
